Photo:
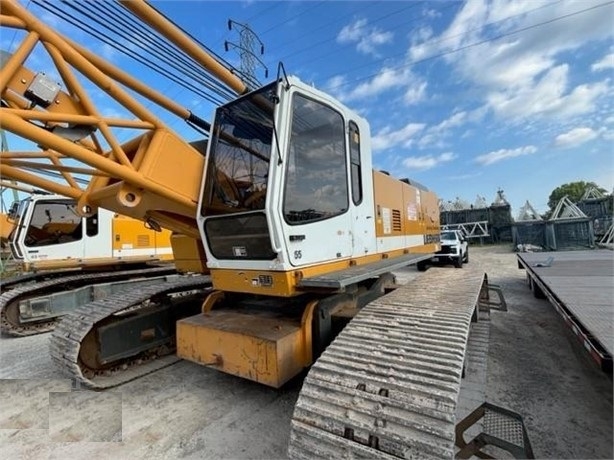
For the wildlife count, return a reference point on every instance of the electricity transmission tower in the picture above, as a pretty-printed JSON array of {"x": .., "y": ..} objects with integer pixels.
[{"x": 248, "y": 40}]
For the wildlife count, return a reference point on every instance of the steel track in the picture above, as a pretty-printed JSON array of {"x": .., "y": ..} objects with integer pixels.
[
  {"x": 12, "y": 281},
  {"x": 10, "y": 299},
  {"x": 66, "y": 340},
  {"x": 388, "y": 385}
]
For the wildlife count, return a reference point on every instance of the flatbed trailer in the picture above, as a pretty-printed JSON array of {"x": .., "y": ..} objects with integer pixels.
[{"x": 579, "y": 286}]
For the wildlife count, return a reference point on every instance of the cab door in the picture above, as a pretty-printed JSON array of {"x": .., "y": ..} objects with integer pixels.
[
  {"x": 315, "y": 208},
  {"x": 51, "y": 229}
]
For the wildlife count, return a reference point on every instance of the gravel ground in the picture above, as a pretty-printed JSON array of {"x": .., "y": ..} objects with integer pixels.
[
  {"x": 538, "y": 368},
  {"x": 535, "y": 367}
]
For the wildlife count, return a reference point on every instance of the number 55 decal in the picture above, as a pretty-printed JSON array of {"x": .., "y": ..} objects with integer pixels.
[{"x": 298, "y": 254}]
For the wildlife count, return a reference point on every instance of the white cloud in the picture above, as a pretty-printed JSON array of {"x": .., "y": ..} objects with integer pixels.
[
  {"x": 352, "y": 32},
  {"x": 421, "y": 34},
  {"x": 429, "y": 140},
  {"x": 415, "y": 93},
  {"x": 523, "y": 74},
  {"x": 456, "y": 119},
  {"x": 547, "y": 95},
  {"x": 367, "y": 38},
  {"x": 335, "y": 86},
  {"x": 430, "y": 13},
  {"x": 607, "y": 62},
  {"x": 575, "y": 137},
  {"x": 428, "y": 161},
  {"x": 387, "y": 138},
  {"x": 503, "y": 154},
  {"x": 583, "y": 98},
  {"x": 384, "y": 80},
  {"x": 387, "y": 79},
  {"x": 437, "y": 133},
  {"x": 368, "y": 44}
]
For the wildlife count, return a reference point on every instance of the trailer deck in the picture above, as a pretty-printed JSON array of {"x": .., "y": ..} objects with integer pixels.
[{"x": 580, "y": 286}]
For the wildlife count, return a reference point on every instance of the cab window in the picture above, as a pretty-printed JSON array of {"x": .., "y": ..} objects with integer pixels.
[
  {"x": 355, "y": 169},
  {"x": 54, "y": 222},
  {"x": 316, "y": 185}
]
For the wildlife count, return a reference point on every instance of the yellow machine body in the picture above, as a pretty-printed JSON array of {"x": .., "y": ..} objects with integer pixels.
[
  {"x": 6, "y": 227},
  {"x": 259, "y": 348}
]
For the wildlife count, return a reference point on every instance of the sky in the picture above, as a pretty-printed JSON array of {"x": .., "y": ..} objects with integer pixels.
[{"x": 463, "y": 97}]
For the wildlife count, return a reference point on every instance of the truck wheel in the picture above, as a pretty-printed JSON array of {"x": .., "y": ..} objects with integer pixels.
[
  {"x": 467, "y": 257},
  {"x": 421, "y": 266},
  {"x": 459, "y": 261}
]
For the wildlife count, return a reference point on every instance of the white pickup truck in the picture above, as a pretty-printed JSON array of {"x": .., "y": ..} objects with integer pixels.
[{"x": 454, "y": 250}]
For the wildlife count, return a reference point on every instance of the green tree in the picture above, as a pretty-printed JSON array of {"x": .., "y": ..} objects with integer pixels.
[{"x": 573, "y": 190}]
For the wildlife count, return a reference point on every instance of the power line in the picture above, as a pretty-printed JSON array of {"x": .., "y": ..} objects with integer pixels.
[
  {"x": 313, "y": 45},
  {"x": 172, "y": 59},
  {"x": 261, "y": 12},
  {"x": 128, "y": 36},
  {"x": 312, "y": 31},
  {"x": 115, "y": 27},
  {"x": 204, "y": 46},
  {"x": 471, "y": 45},
  {"x": 377, "y": 61},
  {"x": 270, "y": 29}
]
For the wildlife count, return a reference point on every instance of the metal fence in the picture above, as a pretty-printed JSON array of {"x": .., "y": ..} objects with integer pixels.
[
  {"x": 600, "y": 211},
  {"x": 570, "y": 234},
  {"x": 529, "y": 234},
  {"x": 498, "y": 217}
]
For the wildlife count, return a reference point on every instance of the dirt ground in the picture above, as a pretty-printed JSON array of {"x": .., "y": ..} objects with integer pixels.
[{"x": 535, "y": 367}]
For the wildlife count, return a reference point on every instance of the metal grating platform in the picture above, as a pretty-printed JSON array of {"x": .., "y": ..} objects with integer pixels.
[
  {"x": 501, "y": 427},
  {"x": 507, "y": 428}
]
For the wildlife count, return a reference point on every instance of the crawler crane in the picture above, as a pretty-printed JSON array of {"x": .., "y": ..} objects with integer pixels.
[
  {"x": 287, "y": 230},
  {"x": 66, "y": 259}
]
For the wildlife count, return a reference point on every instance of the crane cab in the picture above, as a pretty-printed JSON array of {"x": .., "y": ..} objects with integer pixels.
[
  {"x": 50, "y": 234},
  {"x": 289, "y": 192}
]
